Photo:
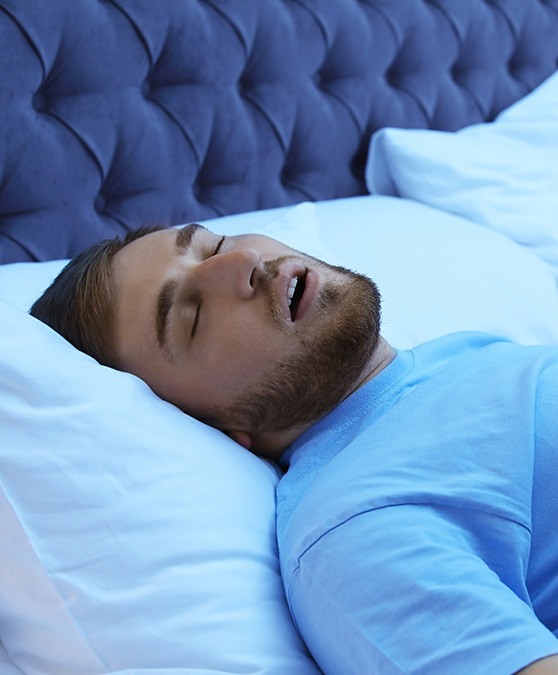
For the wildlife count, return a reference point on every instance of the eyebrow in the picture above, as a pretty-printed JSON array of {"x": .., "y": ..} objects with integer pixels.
[
  {"x": 165, "y": 297},
  {"x": 184, "y": 236}
]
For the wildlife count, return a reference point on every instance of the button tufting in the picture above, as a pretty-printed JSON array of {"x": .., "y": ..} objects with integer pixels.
[
  {"x": 284, "y": 176},
  {"x": 243, "y": 86},
  {"x": 100, "y": 203},
  {"x": 291, "y": 84},
  {"x": 198, "y": 192},
  {"x": 146, "y": 88},
  {"x": 39, "y": 101},
  {"x": 514, "y": 67},
  {"x": 318, "y": 80},
  {"x": 456, "y": 72},
  {"x": 392, "y": 75}
]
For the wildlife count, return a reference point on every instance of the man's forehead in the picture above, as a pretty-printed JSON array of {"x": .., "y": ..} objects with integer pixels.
[
  {"x": 141, "y": 258},
  {"x": 136, "y": 272},
  {"x": 164, "y": 240}
]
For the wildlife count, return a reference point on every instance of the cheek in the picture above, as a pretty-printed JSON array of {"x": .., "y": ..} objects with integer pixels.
[{"x": 241, "y": 360}]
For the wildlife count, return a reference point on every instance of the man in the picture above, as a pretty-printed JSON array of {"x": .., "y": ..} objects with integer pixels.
[{"x": 417, "y": 519}]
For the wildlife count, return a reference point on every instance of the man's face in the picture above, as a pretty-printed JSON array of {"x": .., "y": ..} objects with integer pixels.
[{"x": 241, "y": 331}]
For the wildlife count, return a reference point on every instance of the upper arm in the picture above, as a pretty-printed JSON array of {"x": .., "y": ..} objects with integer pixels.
[{"x": 406, "y": 589}]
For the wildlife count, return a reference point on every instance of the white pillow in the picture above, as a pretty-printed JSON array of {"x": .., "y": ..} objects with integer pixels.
[
  {"x": 133, "y": 537},
  {"x": 22, "y": 283},
  {"x": 503, "y": 175},
  {"x": 6, "y": 665}
]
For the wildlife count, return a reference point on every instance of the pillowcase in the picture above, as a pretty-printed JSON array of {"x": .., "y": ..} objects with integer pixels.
[
  {"x": 6, "y": 665},
  {"x": 503, "y": 175},
  {"x": 22, "y": 283},
  {"x": 133, "y": 537}
]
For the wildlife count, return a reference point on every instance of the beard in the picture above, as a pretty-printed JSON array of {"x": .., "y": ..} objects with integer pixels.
[{"x": 332, "y": 354}]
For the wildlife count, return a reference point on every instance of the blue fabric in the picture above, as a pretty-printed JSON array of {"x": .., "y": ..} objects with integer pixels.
[
  {"x": 120, "y": 113},
  {"x": 417, "y": 522}
]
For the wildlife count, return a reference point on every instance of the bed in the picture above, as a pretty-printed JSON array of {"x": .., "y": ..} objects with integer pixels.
[{"x": 413, "y": 140}]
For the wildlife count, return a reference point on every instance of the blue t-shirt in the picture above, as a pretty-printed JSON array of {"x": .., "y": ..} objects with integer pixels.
[{"x": 418, "y": 521}]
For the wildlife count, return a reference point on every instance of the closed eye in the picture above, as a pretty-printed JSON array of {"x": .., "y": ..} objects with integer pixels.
[
  {"x": 198, "y": 308},
  {"x": 218, "y": 247},
  {"x": 196, "y": 321}
]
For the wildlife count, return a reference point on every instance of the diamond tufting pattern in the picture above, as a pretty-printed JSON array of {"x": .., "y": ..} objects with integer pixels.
[{"x": 116, "y": 113}]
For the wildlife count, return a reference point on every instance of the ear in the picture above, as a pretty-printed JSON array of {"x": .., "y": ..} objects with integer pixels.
[{"x": 243, "y": 438}]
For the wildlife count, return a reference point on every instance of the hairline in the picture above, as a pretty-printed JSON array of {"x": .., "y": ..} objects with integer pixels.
[{"x": 80, "y": 303}]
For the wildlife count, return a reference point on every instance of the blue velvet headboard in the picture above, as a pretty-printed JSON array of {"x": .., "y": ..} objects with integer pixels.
[{"x": 116, "y": 113}]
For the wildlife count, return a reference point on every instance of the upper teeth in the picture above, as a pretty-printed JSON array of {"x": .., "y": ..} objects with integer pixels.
[{"x": 290, "y": 291}]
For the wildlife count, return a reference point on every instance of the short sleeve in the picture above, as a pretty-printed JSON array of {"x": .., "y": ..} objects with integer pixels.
[
  {"x": 543, "y": 563},
  {"x": 546, "y": 422},
  {"x": 408, "y": 589}
]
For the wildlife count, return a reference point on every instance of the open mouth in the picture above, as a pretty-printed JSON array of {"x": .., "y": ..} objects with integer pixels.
[{"x": 295, "y": 292}]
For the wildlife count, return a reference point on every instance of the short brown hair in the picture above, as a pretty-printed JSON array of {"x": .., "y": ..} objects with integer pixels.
[{"x": 79, "y": 302}]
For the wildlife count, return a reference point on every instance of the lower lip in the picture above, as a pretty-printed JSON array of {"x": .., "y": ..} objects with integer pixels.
[{"x": 308, "y": 300}]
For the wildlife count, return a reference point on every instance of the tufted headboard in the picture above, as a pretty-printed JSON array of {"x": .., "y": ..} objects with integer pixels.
[{"x": 116, "y": 113}]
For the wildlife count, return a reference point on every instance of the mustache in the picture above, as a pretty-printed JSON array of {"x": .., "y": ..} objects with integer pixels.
[{"x": 271, "y": 267}]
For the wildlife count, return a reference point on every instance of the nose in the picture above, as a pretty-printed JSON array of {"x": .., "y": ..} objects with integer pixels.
[{"x": 233, "y": 271}]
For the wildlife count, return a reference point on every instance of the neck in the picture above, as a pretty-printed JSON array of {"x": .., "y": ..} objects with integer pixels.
[
  {"x": 382, "y": 356},
  {"x": 272, "y": 446}
]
